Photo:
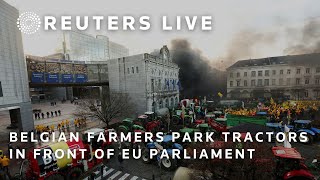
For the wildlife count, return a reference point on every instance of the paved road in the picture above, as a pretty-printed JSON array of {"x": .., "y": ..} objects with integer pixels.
[{"x": 110, "y": 173}]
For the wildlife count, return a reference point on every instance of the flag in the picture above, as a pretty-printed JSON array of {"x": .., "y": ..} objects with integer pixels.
[
  {"x": 220, "y": 94},
  {"x": 286, "y": 143}
]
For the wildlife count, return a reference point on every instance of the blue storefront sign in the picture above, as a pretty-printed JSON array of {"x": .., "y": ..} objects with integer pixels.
[
  {"x": 37, "y": 77},
  {"x": 67, "y": 78},
  {"x": 81, "y": 78},
  {"x": 53, "y": 78}
]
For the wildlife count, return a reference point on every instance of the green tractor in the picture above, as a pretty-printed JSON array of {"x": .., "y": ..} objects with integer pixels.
[{"x": 129, "y": 126}]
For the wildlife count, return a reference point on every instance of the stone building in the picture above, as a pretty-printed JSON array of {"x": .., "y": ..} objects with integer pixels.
[
  {"x": 151, "y": 81},
  {"x": 14, "y": 90},
  {"x": 294, "y": 77}
]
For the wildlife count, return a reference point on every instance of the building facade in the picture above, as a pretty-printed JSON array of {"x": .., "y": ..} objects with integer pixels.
[
  {"x": 151, "y": 81},
  {"x": 83, "y": 47},
  {"x": 117, "y": 50},
  {"x": 14, "y": 90},
  {"x": 294, "y": 77}
]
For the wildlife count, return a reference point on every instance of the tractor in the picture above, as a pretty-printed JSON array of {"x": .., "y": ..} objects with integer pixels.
[
  {"x": 166, "y": 144},
  {"x": 128, "y": 125},
  {"x": 305, "y": 126}
]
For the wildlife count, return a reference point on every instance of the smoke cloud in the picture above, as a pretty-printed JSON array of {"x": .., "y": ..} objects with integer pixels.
[
  {"x": 196, "y": 75},
  {"x": 305, "y": 40}
]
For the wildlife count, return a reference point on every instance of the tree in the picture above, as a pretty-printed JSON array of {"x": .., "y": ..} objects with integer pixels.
[{"x": 113, "y": 105}]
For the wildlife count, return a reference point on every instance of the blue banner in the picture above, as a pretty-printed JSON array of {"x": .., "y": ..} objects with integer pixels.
[
  {"x": 81, "y": 78},
  {"x": 67, "y": 78},
  {"x": 53, "y": 78},
  {"x": 37, "y": 77}
]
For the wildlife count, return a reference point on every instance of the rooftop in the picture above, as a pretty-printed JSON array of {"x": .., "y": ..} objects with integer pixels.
[{"x": 302, "y": 59}]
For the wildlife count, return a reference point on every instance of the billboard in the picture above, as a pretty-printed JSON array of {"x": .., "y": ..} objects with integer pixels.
[
  {"x": 52, "y": 74},
  {"x": 37, "y": 71},
  {"x": 66, "y": 72},
  {"x": 80, "y": 71}
]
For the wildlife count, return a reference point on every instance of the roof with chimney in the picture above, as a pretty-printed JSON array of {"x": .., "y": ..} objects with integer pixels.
[{"x": 303, "y": 59}]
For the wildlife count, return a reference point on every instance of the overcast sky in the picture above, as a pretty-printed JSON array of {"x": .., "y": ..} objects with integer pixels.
[{"x": 230, "y": 17}]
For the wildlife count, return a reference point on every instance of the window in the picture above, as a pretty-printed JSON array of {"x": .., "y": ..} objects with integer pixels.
[
  {"x": 288, "y": 81},
  {"x": 281, "y": 71},
  {"x": 307, "y": 70},
  {"x": 152, "y": 85},
  {"x": 317, "y": 81},
  {"x": 259, "y": 73},
  {"x": 298, "y": 71},
  {"x": 231, "y": 75},
  {"x": 280, "y": 81},
  {"x": 245, "y": 83},
  {"x": 231, "y": 83},
  {"x": 318, "y": 70},
  {"x": 253, "y": 74},
  {"x": 159, "y": 84},
  {"x": 238, "y": 74},
  {"x": 306, "y": 81},
  {"x": 137, "y": 69},
  {"x": 245, "y": 74},
  {"x": 266, "y": 82},
  {"x": 306, "y": 94},
  {"x": 274, "y": 72},
  {"x": 1, "y": 93},
  {"x": 266, "y": 72},
  {"x": 128, "y": 69},
  {"x": 238, "y": 83},
  {"x": 253, "y": 82},
  {"x": 297, "y": 81},
  {"x": 273, "y": 82},
  {"x": 289, "y": 71},
  {"x": 259, "y": 82},
  {"x": 132, "y": 69}
]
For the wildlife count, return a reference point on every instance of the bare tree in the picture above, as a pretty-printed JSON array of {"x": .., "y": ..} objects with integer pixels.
[{"x": 113, "y": 105}]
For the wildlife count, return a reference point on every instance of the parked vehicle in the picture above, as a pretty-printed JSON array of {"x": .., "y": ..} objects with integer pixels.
[
  {"x": 66, "y": 168},
  {"x": 166, "y": 144},
  {"x": 306, "y": 126},
  {"x": 128, "y": 125}
]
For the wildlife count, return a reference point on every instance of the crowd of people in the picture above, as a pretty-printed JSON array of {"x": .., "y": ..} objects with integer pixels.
[
  {"x": 41, "y": 115},
  {"x": 288, "y": 110}
]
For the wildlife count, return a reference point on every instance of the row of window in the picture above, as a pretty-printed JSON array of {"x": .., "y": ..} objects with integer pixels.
[
  {"x": 166, "y": 73},
  {"x": 173, "y": 102},
  {"x": 265, "y": 82},
  {"x": 274, "y": 72},
  {"x": 132, "y": 70}
]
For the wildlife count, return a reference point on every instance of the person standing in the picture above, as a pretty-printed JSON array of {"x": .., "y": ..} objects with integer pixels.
[
  {"x": 5, "y": 164},
  {"x": 42, "y": 115},
  {"x": 51, "y": 113},
  {"x": 48, "y": 114},
  {"x": 59, "y": 112},
  {"x": 56, "y": 113},
  {"x": 120, "y": 160}
]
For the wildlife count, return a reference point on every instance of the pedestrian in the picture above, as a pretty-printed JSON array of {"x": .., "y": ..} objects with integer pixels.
[
  {"x": 59, "y": 112},
  {"x": 55, "y": 103},
  {"x": 48, "y": 114},
  {"x": 5, "y": 164},
  {"x": 120, "y": 159},
  {"x": 51, "y": 114},
  {"x": 35, "y": 115},
  {"x": 42, "y": 115},
  {"x": 101, "y": 170},
  {"x": 56, "y": 113},
  {"x": 59, "y": 127}
]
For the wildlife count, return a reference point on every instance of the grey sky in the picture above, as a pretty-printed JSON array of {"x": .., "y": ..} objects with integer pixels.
[{"x": 230, "y": 17}]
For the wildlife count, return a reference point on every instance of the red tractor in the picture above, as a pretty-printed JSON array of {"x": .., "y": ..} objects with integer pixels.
[{"x": 67, "y": 168}]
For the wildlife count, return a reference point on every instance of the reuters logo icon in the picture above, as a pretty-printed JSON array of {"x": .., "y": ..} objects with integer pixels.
[{"x": 28, "y": 23}]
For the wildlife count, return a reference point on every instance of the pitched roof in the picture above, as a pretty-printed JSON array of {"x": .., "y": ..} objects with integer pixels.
[{"x": 302, "y": 59}]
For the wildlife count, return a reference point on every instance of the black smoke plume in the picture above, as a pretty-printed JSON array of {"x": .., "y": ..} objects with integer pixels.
[
  {"x": 196, "y": 76},
  {"x": 305, "y": 40}
]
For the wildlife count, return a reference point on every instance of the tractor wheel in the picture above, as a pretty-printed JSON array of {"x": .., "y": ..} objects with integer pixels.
[
  {"x": 309, "y": 139},
  {"x": 122, "y": 130},
  {"x": 187, "y": 121},
  {"x": 175, "y": 120},
  {"x": 168, "y": 164},
  {"x": 74, "y": 174},
  {"x": 146, "y": 156},
  {"x": 55, "y": 177}
]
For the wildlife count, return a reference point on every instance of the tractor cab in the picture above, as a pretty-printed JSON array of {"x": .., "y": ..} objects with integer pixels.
[
  {"x": 302, "y": 124},
  {"x": 289, "y": 164}
]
